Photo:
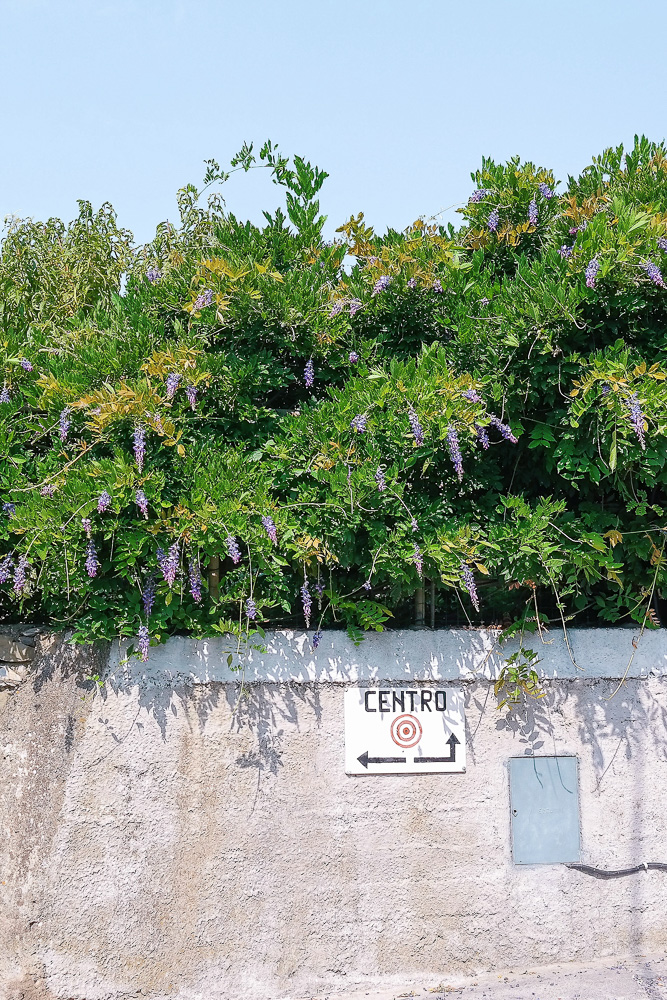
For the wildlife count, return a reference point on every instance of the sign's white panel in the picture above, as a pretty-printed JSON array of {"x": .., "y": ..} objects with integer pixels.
[{"x": 400, "y": 730}]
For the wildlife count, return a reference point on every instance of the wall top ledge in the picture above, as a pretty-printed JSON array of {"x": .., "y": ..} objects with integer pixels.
[{"x": 404, "y": 655}]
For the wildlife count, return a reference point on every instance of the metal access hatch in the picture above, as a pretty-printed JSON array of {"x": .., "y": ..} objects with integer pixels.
[{"x": 544, "y": 806}]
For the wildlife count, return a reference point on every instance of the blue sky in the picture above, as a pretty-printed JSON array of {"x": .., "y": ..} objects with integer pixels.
[{"x": 122, "y": 100}]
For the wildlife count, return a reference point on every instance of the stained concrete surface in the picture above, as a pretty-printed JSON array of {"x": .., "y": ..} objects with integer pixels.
[
  {"x": 642, "y": 980},
  {"x": 205, "y": 843}
]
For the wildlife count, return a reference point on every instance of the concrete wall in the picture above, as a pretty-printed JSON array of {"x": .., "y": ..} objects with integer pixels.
[{"x": 176, "y": 835}]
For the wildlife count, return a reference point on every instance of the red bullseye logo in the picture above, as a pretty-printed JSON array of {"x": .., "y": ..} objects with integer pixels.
[{"x": 406, "y": 731}]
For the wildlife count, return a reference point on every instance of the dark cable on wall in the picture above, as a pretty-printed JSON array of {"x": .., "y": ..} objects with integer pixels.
[{"x": 603, "y": 873}]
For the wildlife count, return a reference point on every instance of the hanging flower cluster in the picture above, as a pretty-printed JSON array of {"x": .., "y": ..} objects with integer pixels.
[
  {"x": 307, "y": 602},
  {"x": 203, "y": 301},
  {"x": 191, "y": 393},
  {"x": 148, "y": 595},
  {"x": 4, "y": 395},
  {"x": 169, "y": 562},
  {"x": 532, "y": 213},
  {"x": 142, "y": 502},
  {"x": 469, "y": 584},
  {"x": 270, "y": 528},
  {"x": 92, "y": 562},
  {"x": 20, "y": 580},
  {"x": 250, "y": 608},
  {"x": 359, "y": 422},
  {"x": 103, "y": 502},
  {"x": 455, "y": 451},
  {"x": 418, "y": 560},
  {"x": 6, "y": 565},
  {"x": 139, "y": 446},
  {"x": 65, "y": 423},
  {"x": 172, "y": 383},
  {"x": 637, "y": 418},
  {"x": 482, "y": 436},
  {"x": 504, "y": 429},
  {"x": 380, "y": 480},
  {"x": 494, "y": 219},
  {"x": 194, "y": 577},
  {"x": 592, "y": 272},
  {"x": 415, "y": 426},
  {"x": 233, "y": 550},
  {"x": 309, "y": 374},
  {"x": 144, "y": 641},
  {"x": 382, "y": 284},
  {"x": 653, "y": 272}
]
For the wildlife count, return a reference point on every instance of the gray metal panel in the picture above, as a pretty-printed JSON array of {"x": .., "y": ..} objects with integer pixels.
[{"x": 544, "y": 802}]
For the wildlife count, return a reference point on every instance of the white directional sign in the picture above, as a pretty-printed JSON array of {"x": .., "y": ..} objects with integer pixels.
[{"x": 400, "y": 730}]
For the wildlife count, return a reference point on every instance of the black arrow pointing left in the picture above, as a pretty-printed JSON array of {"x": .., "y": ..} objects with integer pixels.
[{"x": 366, "y": 760}]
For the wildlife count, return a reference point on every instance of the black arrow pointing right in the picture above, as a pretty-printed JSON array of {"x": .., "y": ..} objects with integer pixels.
[
  {"x": 451, "y": 742},
  {"x": 366, "y": 760}
]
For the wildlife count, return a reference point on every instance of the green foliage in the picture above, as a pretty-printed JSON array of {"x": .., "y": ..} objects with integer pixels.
[{"x": 426, "y": 346}]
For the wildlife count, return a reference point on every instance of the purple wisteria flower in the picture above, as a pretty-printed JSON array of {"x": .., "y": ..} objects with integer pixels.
[
  {"x": 142, "y": 502},
  {"x": 592, "y": 272},
  {"x": 367, "y": 585},
  {"x": 317, "y": 639},
  {"x": 270, "y": 528},
  {"x": 494, "y": 219},
  {"x": 250, "y": 608},
  {"x": 478, "y": 195},
  {"x": 87, "y": 525},
  {"x": 4, "y": 395},
  {"x": 307, "y": 602},
  {"x": 382, "y": 284},
  {"x": 415, "y": 426},
  {"x": 92, "y": 562},
  {"x": 482, "y": 436},
  {"x": 148, "y": 596},
  {"x": 573, "y": 230},
  {"x": 412, "y": 283},
  {"x": 139, "y": 445},
  {"x": 169, "y": 562},
  {"x": 194, "y": 578},
  {"x": 605, "y": 389},
  {"x": 437, "y": 286},
  {"x": 48, "y": 490},
  {"x": 153, "y": 274},
  {"x": 337, "y": 308},
  {"x": 545, "y": 190},
  {"x": 355, "y": 306},
  {"x": 158, "y": 422},
  {"x": 144, "y": 640},
  {"x": 455, "y": 451},
  {"x": 653, "y": 272},
  {"x": 380, "y": 480},
  {"x": 233, "y": 550},
  {"x": 418, "y": 560},
  {"x": 359, "y": 422},
  {"x": 565, "y": 251},
  {"x": 19, "y": 582},
  {"x": 484, "y": 301},
  {"x": 203, "y": 301},
  {"x": 9, "y": 509},
  {"x": 6, "y": 566},
  {"x": 662, "y": 244},
  {"x": 532, "y": 213},
  {"x": 472, "y": 396},
  {"x": 636, "y": 418},
  {"x": 504, "y": 429},
  {"x": 65, "y": 423},
  {"x": 413, "y": 524},
  {"x": 103, "y": 501},
  {"x": 191, "y": 393},
  {"x": 469, "y": 584},
  {"x": 172, "y": 382},
  {"x": 25, "y": 364},
  {"x": 309, "y": 374},
  {"x": 373, "y": 260},
  {"x": 319, "y": 590},
  {"x": 353, "y": 357}
]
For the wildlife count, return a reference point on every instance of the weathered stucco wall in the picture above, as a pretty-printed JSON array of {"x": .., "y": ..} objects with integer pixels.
[{"x": 198, "y": 841}]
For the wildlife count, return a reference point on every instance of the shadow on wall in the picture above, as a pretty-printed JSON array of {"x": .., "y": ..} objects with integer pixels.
[{"x": 610, "y": 722}]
